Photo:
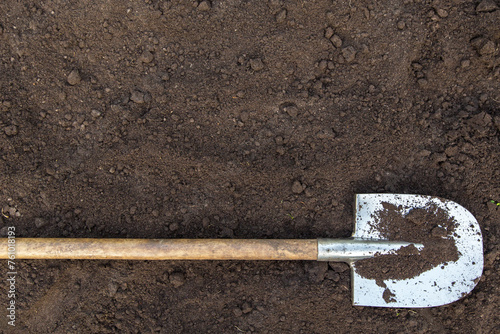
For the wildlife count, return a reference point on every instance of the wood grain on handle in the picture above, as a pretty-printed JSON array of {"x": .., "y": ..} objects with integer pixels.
[{"x": 162, "y": 249}]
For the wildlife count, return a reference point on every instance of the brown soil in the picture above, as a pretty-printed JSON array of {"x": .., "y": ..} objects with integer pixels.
[
  {"x": 247, "y": 119},
  {"x": 430, "y": 226}
]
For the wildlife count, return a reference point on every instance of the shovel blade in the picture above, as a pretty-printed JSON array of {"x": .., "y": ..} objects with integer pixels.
[{"x": 440, "y": 285}]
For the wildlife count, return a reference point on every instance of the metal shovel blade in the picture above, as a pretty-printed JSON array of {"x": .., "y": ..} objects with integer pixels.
[{"x": 440, "y": 285}]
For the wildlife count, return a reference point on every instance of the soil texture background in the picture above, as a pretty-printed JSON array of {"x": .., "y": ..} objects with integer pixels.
[{"x": 239, "y": 119}]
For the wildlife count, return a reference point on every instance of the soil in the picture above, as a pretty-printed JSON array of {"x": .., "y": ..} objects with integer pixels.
[
  {"x": 222, "y": 119},
  {"x": 430, "y": 226}
]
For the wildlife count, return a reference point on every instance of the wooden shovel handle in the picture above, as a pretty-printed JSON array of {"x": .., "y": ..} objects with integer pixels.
[{"x": 161, "y": 249}]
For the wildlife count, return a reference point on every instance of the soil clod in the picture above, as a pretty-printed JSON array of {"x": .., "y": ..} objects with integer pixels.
[{"x": 74, "y": 78}]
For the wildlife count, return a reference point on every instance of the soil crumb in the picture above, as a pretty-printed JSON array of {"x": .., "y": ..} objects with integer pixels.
[
  {"x": 430, "y": 226},
  {"x": 388, "y": 296}
]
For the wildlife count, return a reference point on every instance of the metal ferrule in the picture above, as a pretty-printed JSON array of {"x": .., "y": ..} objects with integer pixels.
[{"x": 353, "y": 249}]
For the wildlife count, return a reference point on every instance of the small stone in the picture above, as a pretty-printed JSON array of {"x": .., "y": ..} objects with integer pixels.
[
  {"x": 50, "y": 171},
  {"x": 246, "y": 308},
  {"x": 423, "y": 83},
  {"x": 40, "y": 222},
  {"x": 349, "y": 53},
  {"x": 237, "y": 312},
  {"x": 487, "y": 49},
  {"x": 281, "y": 16},
  {"x": 204, "y": 6},
  {"x": 177, "y": 279},
  {"x": 442, "y": 13},
  {"x": 329, "y": 32},
  {"x": 290, "y": 108},
  {"x": 401, "y": 25},
  {"x": 297, "y": 187},
  {"x": 74, "y": 78},
  {"x": 483, "y": 46},
  {"x": 112, "y": 289},
  {"x": 256, "y": 64},
  {"x": 336, "y": 41},
  {"x": 12, "y": 211},
  {"x": 173, "y": 227},
  {"x": 487, "y": 6},
  {"x": 146, "y": 57},
  {"x": 95, "y": 113},
  {"x": 326, "y": 133},
  {"x": 11, "y": 130},
  {"x": 322, "y": 65},
  {"x": 137, "y": 96}
]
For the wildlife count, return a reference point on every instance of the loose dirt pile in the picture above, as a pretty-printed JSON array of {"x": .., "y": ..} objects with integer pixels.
[{"x": 430, "y": 226}]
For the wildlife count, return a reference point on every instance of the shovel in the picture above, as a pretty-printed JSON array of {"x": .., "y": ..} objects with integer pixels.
[{"x": 386, "y": 270}]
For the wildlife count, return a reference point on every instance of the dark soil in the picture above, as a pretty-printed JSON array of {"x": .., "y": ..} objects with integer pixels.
[
  {"x": 247, "y": 119},
  {"x": 430, "y": 226}
]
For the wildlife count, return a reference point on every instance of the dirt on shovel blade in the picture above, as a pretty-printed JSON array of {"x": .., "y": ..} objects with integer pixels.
[{"x": 430, "y": 226}]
